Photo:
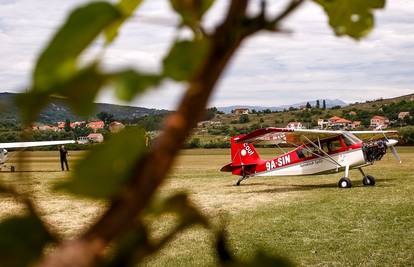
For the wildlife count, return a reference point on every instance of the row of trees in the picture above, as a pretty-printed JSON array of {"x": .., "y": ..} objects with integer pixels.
[{"x": 317, "y": 105}]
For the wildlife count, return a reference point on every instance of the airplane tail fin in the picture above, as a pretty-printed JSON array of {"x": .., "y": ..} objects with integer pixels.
[{"x": 242, "y": 154}]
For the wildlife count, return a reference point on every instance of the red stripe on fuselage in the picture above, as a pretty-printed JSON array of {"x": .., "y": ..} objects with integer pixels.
[{"x": 292, "y": 158}]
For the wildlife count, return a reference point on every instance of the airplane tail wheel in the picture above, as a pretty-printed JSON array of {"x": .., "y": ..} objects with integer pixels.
[
  {"x": 368, "y": 180},
  {"x": 344, "y": 182}
]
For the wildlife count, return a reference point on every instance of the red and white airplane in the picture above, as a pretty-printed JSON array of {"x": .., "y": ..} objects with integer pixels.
[
  {"x": 4, "y": 146},
  {"x": 316, "y": 152}
]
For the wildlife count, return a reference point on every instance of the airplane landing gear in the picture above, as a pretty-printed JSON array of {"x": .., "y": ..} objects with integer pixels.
[
  {"x": 367, "y": 179},
  {"x": 242, "y": 178},
  {"x": 344, "y": 182}
]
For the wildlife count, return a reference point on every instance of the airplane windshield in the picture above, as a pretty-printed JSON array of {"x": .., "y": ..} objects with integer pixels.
[{"x": 350, "y": 139}]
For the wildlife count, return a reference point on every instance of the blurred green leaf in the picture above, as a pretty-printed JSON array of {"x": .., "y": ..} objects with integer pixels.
[
  {"x": 223, "y": 252},
  {"x": 135, "y": 245},
  {"x": 191, "y": 11},
  {"x": 129, "y": 83},
  {"x": 22, "y": 240},
  {"x": 261, "y": 259},
  {"x": 79, "y": 92},
  {"x": 127, "y": 7},
  {"x": 181, "y": 205},
  {"x": 108, "y": 167},
  {"x": 57, "y": 62},
  {"x": 184, "y": 59},
  {"x": 351, "y": 17},
  {"x": 132, "y": 248}
]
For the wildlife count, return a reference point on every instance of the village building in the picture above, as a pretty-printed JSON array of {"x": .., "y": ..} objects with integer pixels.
[
  {"x": 96, "y": 125},
  {"x": 76, "y": 123},
  {"x": 322, "y": 124},
  {"x": 83, "y": 140},
  {"x": 356, "y": 124},
  {"x": 44, "y": 127},
  {"x": 95, "y": 137},
  {"x": 338, "y": 122},
  {"x": 116, "y": 126},
  {"x": 295, "y": 125},
  {"x": 208, "y": 123},
  {"x": 61, "y": 125},
  {"x": 352, "y": 113},
  {"x": 335, "y": 122},
  {"x": 404, "y": 114},
  {"x": 379, "y": 122},
  {"x": 240, "y": 111}
]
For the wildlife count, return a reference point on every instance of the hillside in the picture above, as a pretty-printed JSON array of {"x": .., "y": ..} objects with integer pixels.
[
  {"x": 329, "y": 103},
  {"x": 58, "y": 111},
  {"x": 222, "y": 126}
]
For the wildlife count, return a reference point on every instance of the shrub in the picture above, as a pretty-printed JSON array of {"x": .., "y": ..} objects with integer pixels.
[{"x": 244, "y": 118}]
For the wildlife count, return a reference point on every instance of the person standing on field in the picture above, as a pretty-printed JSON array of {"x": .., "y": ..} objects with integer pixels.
[{"x": 63, "y": 157}]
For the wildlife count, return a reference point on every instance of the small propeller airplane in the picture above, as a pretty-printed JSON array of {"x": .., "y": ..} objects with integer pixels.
[
  {"x": 316, "y": 152},
  {"x": 4, "y": 146}
]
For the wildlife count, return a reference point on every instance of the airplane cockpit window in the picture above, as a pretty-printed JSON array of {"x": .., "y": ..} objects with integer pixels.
[
  {"x": 348, "y": 142},
  {"x": 304, "y": 153},
  {"x": 350, "y": 139},
  {"x": 325, "y": 147},
  {"x": 330, "y": 146},
  {"x": 334, "y": 145},
  {"x": 300, "y": 153}
]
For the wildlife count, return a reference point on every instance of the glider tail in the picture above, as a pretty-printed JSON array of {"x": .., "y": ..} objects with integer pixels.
[{"x": 242, "y": 154}]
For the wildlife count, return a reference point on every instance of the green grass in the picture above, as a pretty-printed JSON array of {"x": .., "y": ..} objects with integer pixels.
[{"x": 307, "y": 219}]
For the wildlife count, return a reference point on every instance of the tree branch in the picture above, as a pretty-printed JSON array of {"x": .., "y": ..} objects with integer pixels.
[
  {"x": 151, "y": 171},
  {"x": 260, "y": 22}
]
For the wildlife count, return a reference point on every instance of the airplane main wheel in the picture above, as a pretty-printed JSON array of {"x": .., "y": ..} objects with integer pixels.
[
  {"x": 368, "y": 180},
  {"x": 344, "y": 182}
]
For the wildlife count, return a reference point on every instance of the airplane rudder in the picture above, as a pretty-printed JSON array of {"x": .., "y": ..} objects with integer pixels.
[{"x": 243, "y": 153}]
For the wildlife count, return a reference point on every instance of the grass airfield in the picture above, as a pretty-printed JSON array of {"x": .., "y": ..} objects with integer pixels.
[{"x": 307, "y": 219}]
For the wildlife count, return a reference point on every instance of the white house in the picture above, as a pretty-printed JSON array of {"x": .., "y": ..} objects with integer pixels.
[{"x": 295, "y": 125}]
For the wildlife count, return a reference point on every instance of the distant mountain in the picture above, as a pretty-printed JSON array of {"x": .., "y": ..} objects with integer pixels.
[
  {"x": 58, "y": 111},
  {"x": 329, "y": 103}
]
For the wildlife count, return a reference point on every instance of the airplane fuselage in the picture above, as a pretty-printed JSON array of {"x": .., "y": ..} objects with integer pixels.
[
  {"x": 288, "y": 165},
  {"x": 330, "y": 156}
]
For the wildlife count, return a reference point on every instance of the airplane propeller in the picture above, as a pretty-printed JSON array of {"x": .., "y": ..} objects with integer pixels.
[{"x": 391, "y": 143}]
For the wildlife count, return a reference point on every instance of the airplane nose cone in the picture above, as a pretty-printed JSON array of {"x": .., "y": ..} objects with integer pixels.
[{"x": 392, "y": 142}]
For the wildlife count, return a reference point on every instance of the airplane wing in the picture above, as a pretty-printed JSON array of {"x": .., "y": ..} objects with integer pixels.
[
  {"x": 374, "y": 135},
  {"x": 34, "y": 144},
  {"x": 285, "y": 135}
]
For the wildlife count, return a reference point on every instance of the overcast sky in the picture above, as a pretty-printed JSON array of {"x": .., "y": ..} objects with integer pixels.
[{"x": 269, "y": 70}]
